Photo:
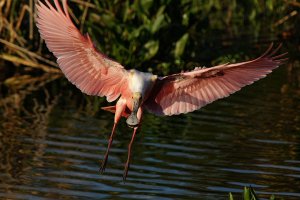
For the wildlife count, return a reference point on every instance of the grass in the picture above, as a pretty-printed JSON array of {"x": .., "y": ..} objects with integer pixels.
[{"x": 249, "y": 194}]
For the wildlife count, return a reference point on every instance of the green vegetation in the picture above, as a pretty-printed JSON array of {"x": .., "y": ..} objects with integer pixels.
[
  {"x": 249, "y": 194},
  {"x": 160, "y": 36}
]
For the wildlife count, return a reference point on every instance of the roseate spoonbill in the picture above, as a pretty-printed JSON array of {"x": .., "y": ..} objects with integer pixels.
[{"x": 96, "y": 74}]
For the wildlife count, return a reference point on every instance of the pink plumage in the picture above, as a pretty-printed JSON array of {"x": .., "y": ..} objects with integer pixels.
[
  {"x": 189, "y": 91},
  {"x": 96, "y": 74},
  {"x": 91, "y": 71}
]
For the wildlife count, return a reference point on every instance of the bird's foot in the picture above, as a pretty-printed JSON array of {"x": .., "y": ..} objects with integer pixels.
[
  {"x": 103, "y": 165},
  {"x": 126, "y": 171}
]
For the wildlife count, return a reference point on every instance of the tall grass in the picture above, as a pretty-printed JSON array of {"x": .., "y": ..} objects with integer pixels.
[{"x": 249, "y": 194}]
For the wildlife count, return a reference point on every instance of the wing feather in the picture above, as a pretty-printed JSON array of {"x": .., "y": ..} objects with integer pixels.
[
  {"x": 91, "y": 71},
  {"x": 195, "y": 89}
]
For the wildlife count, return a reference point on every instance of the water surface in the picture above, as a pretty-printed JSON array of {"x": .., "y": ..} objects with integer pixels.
[{"x": 51, "y": 145}]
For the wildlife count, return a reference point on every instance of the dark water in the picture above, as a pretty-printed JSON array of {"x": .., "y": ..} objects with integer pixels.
[{"x": 51, "y": 146}]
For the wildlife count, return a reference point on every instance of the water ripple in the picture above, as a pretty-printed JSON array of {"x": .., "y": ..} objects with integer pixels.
[{"x": 239, "y": 141}]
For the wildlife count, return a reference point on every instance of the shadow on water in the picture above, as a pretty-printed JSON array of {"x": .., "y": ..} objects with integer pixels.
[{"x": 52, "y": 141}]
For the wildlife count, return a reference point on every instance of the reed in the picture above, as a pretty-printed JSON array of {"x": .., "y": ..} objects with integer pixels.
[{"x": 249, "y": 194}]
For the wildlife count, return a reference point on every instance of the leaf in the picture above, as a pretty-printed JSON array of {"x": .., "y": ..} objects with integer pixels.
[
  {"x": 143, "y": 6},
  {"x": 152, "y": 48},
  {"x": 269, "y": 4},
  {"x": 159, "y": 19},
  {"x": 146, "y": 4},
  {"x": 252, "y": 193},
  {"x": 185, "y": 19},
  {"x": 164, "y": 67},
  {"x": 160, "y": 10},
  {"x": 252, "y": 15},
  {"x": 157, "y": 23},
  {"x": 180, "y": 45},
  {"x": 230, "y": 196},
  {"x": 108, "y": 20},
  {"x": 246, "y": 194},
  {"x": 249, "y": 194},
  {"x": 272, "y": 197}
]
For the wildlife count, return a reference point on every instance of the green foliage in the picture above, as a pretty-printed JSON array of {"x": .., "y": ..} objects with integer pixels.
[
  {"x": 165, "y": 36},
  {"x": 249, "y": 194},
  {"x": 180, "y": 45},
  {"x": 230, "y": 196},
  {"x": 160, "y": 36},
  {"x": 145, "y": 32}
]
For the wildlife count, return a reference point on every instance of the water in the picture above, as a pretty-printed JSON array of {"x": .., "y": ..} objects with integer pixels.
[{"x": 52, "y": 141}]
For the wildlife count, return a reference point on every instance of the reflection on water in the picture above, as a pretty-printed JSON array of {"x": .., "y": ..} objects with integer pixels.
[{"x": 50, "y": 147}]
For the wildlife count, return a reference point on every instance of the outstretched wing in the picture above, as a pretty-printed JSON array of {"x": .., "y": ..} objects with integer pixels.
[
  {"x": 91, "y": 71},
  {"x": 189, "y": 91}
]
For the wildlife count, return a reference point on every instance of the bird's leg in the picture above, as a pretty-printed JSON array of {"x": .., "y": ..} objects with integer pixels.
[
  {"x": 129, "y": 154},
  {"x": 103, "y": 165},
  {"x": 120, "y": 107},
  {"x": 139, "y": 116}
]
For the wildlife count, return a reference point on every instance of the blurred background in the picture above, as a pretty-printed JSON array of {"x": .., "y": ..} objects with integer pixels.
[{"x": 52, "y": 136}]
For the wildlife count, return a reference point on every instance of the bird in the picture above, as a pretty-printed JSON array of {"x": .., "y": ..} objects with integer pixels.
[{"x": 94, "y": 73}]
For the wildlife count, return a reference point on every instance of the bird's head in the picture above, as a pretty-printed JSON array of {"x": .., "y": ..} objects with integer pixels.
[{"x": 140, "y": 85}]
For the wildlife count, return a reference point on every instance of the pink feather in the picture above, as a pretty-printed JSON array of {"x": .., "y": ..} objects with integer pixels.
[
  {"x": 91, "y": 71},
  {"x": 189, "y": 91}
]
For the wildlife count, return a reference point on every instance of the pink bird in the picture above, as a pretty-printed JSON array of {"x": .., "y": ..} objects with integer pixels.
[{"x": 95, "y": 74}]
